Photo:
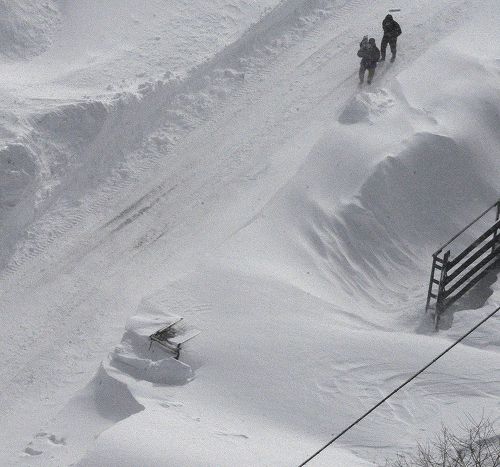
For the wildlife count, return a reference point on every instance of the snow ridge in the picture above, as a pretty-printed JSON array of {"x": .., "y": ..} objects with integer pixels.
[
  {"x": 256, "y": 191},
  {"x": 27, "y": 27}
]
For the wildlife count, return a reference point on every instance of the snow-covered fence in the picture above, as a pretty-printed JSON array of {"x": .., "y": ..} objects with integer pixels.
[{"x": 451, "y": 277}]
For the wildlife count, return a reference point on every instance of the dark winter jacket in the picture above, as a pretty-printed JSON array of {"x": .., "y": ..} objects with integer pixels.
[
  {"x": 370, "y": 55},
  {"x": 391, "y": 27}
]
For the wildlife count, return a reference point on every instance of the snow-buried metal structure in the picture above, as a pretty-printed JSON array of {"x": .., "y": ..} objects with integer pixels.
[{"x": 453, "y": 276}]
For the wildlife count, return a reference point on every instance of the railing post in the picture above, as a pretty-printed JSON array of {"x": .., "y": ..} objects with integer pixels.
[
  {"x": 429, "y": 292},
  {"x": 440, "y": 300},
  {"x": 468, "y": 267},
  {"x": 495, "y": 234}
]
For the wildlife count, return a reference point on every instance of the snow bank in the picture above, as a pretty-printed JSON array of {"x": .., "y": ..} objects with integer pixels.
[
  {"x": 291, "y": 220},
  {"x": 119, "y": 390},
  {"x": 27, "y": 27},
  {"x": 137, "y": 356},
  {"x": 172, "y": 439},
  {"x": 103, "y": 402},
  {"x": 78, "y": 147},
  {"x": 248, "y": 405},
  {"x": 403, "y": 170},
  {"x": 346, "y": 245},
  {"x": 112, "y": 399},
  {"x": 41, "y": 162},
  {"x": 115, "y": 45}
]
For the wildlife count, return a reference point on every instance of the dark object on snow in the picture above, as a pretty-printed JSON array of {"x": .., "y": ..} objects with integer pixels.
[
  {"x": 391, "y": 32},
  {"x": 370, "y": 54},
  {"x": 172, "y": 338},
  {"x": 363, "y": 44},
  {"x": 453, "y": 276}
]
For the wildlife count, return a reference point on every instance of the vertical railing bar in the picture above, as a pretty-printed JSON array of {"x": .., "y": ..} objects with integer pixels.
[
  {"x": 443, "y": 297},
  {"x": 433, "y": 269},
  {"x": 440, "y": 305},
  {"x": 495, "y": 235}
]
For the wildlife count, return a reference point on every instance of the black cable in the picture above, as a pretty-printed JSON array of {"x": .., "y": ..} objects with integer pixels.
[{"x": 398, "y": 388}]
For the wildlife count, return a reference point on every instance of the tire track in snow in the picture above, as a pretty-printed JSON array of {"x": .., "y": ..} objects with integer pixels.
[
  {"x": 95, "y": 206},
  {"x": 258, "y": 58},
  {"x": 73, "y": 218}
]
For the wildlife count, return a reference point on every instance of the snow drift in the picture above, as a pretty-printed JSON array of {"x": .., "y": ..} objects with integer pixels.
[
  {"x": 145, "y": 360},
  {"x": 27, "y": 27},
  {"x": 284, "y": 212}
]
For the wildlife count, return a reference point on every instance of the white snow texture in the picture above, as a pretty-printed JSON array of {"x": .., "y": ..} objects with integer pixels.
[{"x": 217, "y": 161}]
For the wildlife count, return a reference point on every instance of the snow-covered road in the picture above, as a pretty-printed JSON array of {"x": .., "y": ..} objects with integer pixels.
[{"x": 283, "y": 211}]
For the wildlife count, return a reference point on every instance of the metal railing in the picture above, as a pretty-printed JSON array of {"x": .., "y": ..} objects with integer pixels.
[{"x": 452, "y": 277}]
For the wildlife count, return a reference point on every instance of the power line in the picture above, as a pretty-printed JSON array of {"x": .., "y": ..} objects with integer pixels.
[{"x": 398, "y": 388}]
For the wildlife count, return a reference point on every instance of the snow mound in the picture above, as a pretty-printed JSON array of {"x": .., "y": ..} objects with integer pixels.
[
  {"x": 38, "y": 165},
  {"x": 144, "y": 360},
  {"x": 111, "y": 397},
  {"x": 194, "y": 444},
  {"x": 361, "y": 106},
  {"x": 103, "y": 402},
  {"x": 403, "y": 169},
  {"x": 407, "y": 206},
  {"x": 292, "y": 219},
  {"x": 27, "y": 27}
]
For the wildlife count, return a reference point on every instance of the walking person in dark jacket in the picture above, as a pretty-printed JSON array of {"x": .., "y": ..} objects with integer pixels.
[
  {"x": 369, "y": 53},
  {"x": 391, "y": 32}
]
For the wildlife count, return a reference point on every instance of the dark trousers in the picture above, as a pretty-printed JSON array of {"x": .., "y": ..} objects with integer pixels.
[
  {"x": 383, "y": 45},
  {"x": 371, "y": 73}
]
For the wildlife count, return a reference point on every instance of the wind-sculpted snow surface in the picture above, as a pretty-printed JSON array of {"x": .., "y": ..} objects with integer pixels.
[
  {"x": 28, "y": 27},
  {"x": 317, "y": 319},
  {"x": 256, "y": 191},
  {"x": 410, "y": 203},
  {"x": 80, "y": 145},
  {"x": 144, "y": 360}
]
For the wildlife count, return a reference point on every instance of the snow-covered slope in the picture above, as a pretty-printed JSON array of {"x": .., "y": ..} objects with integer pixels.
[
  {"x": 251, "y": 187},
  {"x": 66, "y": 114},
  {"x": 27, "y": 27}
]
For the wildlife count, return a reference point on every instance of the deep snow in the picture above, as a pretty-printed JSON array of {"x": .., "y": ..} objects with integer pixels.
[{"x": 218, "y": 161}]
